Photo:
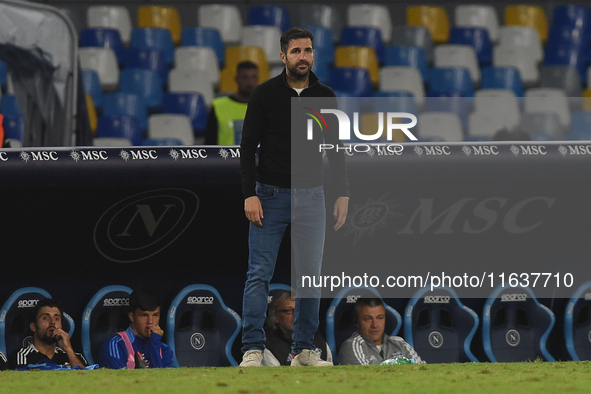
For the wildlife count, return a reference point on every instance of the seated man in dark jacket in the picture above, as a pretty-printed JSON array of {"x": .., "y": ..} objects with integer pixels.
[{"x": 279, "y": 329}]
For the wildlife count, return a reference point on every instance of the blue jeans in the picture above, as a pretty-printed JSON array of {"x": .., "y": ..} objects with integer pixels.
[{"x": 304, "y": 210}]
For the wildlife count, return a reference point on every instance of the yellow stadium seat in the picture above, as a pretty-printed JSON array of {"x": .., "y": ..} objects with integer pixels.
[
  {"x": 92, "y": 117},
  {"x": 529, "y": 16},
  {"x": 358, "y": 56},
  {"x": 587, "y": 100},
  {"x": 434, "y": 18},
  {"x": 369, "y": 125},
  {"x": 163, "y": 17},
  {"x": 239, "y": 53}
]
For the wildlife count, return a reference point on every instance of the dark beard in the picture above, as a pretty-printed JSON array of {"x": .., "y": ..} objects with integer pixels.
[
  {"x": 296, "y": 75},
  {"x": 47, "y": 339}
]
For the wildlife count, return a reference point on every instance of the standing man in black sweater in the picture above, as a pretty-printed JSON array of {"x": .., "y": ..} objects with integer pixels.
[{"x": 278, "y": 194}]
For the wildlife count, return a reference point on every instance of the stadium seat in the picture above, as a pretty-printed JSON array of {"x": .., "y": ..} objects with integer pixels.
[
  {"x": 323, "y": 15},
  {"x": 266, "y": 37},
  {"x": 408, "y": 79},
  {"x": 483, "y": 125},
  {"x": 449, "y": 102},
  {"x": 91, "y": 111},
  {"x": 3, "y": 75},
  {"x": 371, "y": 15},
  {"x": 105, "y": 314},
  {"x": 453, "y": 55},
  {"x": 354, "y": 81},
  {"x": 162, "y": 142},
  {"x": 177, "y": 126},
  {"x": 126, "y": 104},
  {"x": 201, "y": 329},
  {"x": 144, "y": 83},
  {"x": 110, "y": 16},
  {"x": 190, "y": 104},
  {"x": 441, "y": 332},
  {"x": 223, "y": 17},
  {"x": 523, "y": 38},
  {"x": 561, "y": 77},
  {"x": 477, "y": 38},
  {"x": 515, "y": 57},
  {"x": 202, "y": 36},
  {"x": 433, "y": 18},
  {"x": 323, "y": 43},
  {"x": 154, "y": 37},
  {"x": 577, "y": 322},
  {"x": 199, "y": 59},
  {"x": 451, "y": 80},
  {"x": 120, "y": 126},
  {"x": 152, "y": 59},
  {"x": 528, "y": 16},
  {"x": 571, "y": 15},
  {"x": 515, "y": 326},
  {"x": 548, "y": 100},
  {"x": 14, "y": 127},
  {"x": 237, "y": 54},
  {"x": 104, "y": 62},
  {"x": 269, "y": 15},
  {"x": 567, "y": 36},
  {"x": 395, "y": 101},
  {"x": 580, "y": 126},
  {"x": 10, "y": 106},
  {"x": 502, "y": 104},
  {"x": 409, "y": 56},
  {"x": 363, "y": 37},
  {"x": 341, "y": 319},
  {"x": 14, "y": 325},
  {"x": 92, "y": 86},
  {"x": 189, "y": 81},
  {"x": 502, "y": 78},
  {"x": 161, "y": 17},
  {"x": 418, "y": 36},
  {"x": 540, "y": 124},
  {"x": 362, "y": 57},
  {"x": 483, "y": 16},
  {"x": 568, "y": 55},
  {"x": 107, "y": 142},
  {"x": 101, "y": 37},
  {"x": 439, "y": 126}
]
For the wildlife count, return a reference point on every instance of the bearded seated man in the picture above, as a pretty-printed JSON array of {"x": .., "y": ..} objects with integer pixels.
[
  {"x": 50, "y": 341},
  {"x": 279, "y": 331}
]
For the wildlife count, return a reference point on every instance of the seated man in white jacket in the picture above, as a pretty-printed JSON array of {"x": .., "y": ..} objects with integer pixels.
[
  {"x": 279, "y": 329},
  {"x": 369, "y": 345}
]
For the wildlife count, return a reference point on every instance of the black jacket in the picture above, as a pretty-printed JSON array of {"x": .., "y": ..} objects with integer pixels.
[{"x": 268, "y": 122}]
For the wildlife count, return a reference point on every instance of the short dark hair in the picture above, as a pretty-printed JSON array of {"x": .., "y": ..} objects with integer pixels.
[
  {"x": 47, "y": 302},
  {"x": 246, "y": 65},
  {"x": 144, "y": 299},
  {"x": 370, "y": 302},
  {"x": 293, "y": 34},
  {"x": 278, "y": 298}
]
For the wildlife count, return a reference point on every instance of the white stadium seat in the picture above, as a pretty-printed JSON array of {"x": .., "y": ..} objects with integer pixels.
[
  {"x": 454, "y": 55},
  {"x": 394, "y": 78},
  {"x": 175, "y": 126},
  {"x": 201, "y": 59},
  {"x": 266, "y": 37},
  {"x": 371, "y": 15},
  {"x": 472, "y": 15},
  {"x": 444, "y": 125},
  {"x": 104, "y": 62},
  {"x": 180, "y": 81},
  {"x": 112, "y": 17},
  {"x": 224, "y": 17}
]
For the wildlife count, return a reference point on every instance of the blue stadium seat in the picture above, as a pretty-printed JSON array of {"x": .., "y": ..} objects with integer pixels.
[
  {"x": 3, "y": 75},
  {"x": 515, "y": 326},
  {"x": 14, "y": 325},
  {"x": 14, "y": 127},
  {"x": 440, "y": 332},
  {"x": 190, "y": 104},
  {"x": 476, "y": 37},
  {"x": 395, "y": 101},
  {"x": 201, "y": 329},
  {"x": 575, "y": 16},
  {"x": 105, "y": 314},
  {"x": 92, "y": 86},
  {"x": 202, "y": 36},
  {"x": 502, "y": 78},
  {"x": 323, "y": 43},
  {"x": 341, "y": 320},
  {"x": 103, "y": 38},
  {"x": 352, "y": 80},
  {"x": 149, "y": 59},
  {"x": 144, "y": 83},
  {"x": 153, "y": 37},
  {"x": 411, "y": 56},
  {"x": 321, "y": 69},
  {"x": 580, "y": 126},
  {"x": 161, "y": 142},
  {"x": 269, "y": 14},
  {"x": 418, "y": 36},
  {"x": 577, "y": 323},
  {"x": 568, "y": 55},
  {"x": 451, "y": 80},
  {"x": 120, "y": 126},
  {"x": 9, "y": 105},
  {"x": 365, "y": 37},
  {"x": 126, "y": 104}
]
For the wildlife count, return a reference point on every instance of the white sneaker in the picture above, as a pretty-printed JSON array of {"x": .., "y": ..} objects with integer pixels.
[
  {"x": 252, "y": 358},
  {"x": 309, "y": 358}
]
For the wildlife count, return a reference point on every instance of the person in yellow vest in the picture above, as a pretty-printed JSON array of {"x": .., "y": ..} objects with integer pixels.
[{"x": 225, "y": 110}]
